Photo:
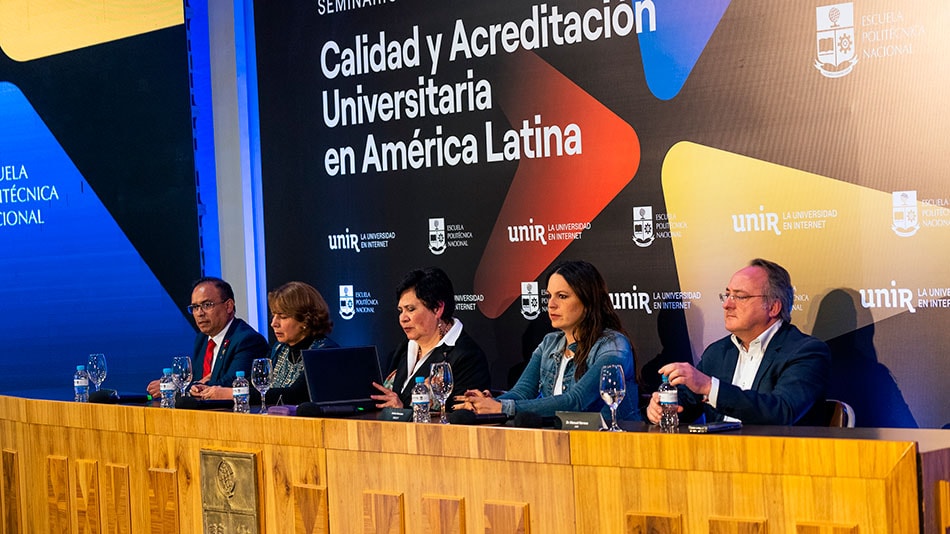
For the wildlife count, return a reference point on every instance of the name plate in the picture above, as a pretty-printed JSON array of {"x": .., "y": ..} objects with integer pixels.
[
  {"x": 396, "y": 414},
  {"x": 579, "y": 421}
]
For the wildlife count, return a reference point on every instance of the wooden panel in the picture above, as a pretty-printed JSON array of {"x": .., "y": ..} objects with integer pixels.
[
  {"x": 310, "y": 509},
  {"x": 163, "y": 501},
  {"x": 934, "y": 481},
  {"x": 942, "y": 500},
  {"x": 87, "y": 497},
  {"x": 507, "y": 518},
  {"x": 284, "y": 469},
  {"x": 812, "y": 528},
  {"x": 900, "y": 491},
  {"x": 444, "y": 515},
  {"x": 10, "y": 488},
  {"x": 118, "y": 502},
  {"x": 315, "y": 472},
  {"x": 383, "y": 513},
  {"x": 57, "y": 495},
  {"x": 653, "y": 524},
  {"x": 738, "y": 526},
  {"x": 548, "y": 488},
  {"x": 490, "y": 443}
]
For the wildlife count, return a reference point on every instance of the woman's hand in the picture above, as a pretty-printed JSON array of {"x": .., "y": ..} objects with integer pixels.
[
  {"x": 478, "y": 402},
  {"x": 388, "y": 399}
]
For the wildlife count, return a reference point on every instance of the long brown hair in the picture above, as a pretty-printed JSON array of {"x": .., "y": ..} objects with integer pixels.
[{"x": 599, "y": 314}]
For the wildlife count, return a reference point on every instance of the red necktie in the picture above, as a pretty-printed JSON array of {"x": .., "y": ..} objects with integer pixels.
[{"x": 209, "y": 357}]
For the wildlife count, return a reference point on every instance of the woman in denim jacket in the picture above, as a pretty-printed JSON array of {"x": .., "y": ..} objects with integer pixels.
[{"x": 564, "y": 371}]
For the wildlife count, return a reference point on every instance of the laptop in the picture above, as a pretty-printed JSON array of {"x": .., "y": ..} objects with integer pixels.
[{"x": 340, "y": 379}]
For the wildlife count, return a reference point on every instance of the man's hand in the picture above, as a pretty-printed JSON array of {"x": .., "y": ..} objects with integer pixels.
[{"x": 684, "y": 374}]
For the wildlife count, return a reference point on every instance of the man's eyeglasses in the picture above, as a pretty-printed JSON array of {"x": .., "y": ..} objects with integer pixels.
[
  {"x": 738, "y": 299},
  {"x": 206, "y": 306}
]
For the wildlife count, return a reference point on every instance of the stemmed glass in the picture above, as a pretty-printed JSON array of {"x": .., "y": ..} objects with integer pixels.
[
  {"x": 96, "y": 369},
  {"x": 182, "y": 373},
  {"x": 441, "y": 383},
  {"x": 613, "y": 387},
  {"x": 260, "y": 378}
]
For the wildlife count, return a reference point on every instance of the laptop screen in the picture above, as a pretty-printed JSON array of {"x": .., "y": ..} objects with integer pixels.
[{"x": 342, "y": 375}]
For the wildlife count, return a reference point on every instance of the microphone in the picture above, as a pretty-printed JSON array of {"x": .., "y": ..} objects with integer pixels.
[
  {"x": 468, "y": 417},
  {"x": 308, "y": 409},
  {"x": 104, "y": 396},
  {"x": 111, "y": 396},
  {"x": 528, "y": 420}
]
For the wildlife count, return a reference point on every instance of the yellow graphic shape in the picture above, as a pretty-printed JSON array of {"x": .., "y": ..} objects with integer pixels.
[
  {"x": 31, "y": 29},
  {"x": 836, "y": 239}
]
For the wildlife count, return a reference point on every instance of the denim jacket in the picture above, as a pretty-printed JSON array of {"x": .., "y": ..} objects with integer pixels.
[{"x": 534, "y": 391}]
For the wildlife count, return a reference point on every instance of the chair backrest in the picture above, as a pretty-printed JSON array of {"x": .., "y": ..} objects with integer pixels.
[{"x": 840, "y": 413}]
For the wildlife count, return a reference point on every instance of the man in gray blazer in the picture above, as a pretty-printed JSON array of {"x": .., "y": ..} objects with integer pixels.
[{"x": 767, "y": 372}]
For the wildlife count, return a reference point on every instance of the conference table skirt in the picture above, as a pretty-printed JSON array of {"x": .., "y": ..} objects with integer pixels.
[{"x": 69, "y": 467}]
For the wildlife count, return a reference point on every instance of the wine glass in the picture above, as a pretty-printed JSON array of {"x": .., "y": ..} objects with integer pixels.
[
  {"x": 441, "y": 383},
  {"x": 182, "y": 373},
  {"x": 260, "y": 378},
  {"x": 613, "y": 387},
  {"x": 96, "y": 369}
]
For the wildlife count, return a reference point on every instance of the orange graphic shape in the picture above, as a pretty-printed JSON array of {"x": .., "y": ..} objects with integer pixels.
[{"x": 550, "y": 190}]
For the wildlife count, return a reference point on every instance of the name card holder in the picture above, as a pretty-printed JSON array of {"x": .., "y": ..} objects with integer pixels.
[{"x": 579, "y": 421}]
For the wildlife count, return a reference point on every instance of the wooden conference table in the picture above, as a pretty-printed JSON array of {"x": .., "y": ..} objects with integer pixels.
[{"x": 86, "y": 468}]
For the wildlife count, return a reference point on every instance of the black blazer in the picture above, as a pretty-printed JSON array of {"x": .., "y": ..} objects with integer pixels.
[
  {"x": 792, "y": 377},
  {"x": 468, "y": 361}
]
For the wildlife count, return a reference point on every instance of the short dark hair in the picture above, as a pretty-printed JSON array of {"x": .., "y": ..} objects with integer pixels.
[
  {"x": 432, "y": 287},
  {"x": 780, "y": 286},
  {"x": 223, "y": 287}
]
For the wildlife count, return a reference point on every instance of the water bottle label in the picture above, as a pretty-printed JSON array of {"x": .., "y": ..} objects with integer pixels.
[
  {"x": 669, "y": 397},
  {"x": 80, "y": 382},
  {"x": 420, "y": 399},
  {"x": 167, "y": 386},
  {"x": 241, "y": 391}
]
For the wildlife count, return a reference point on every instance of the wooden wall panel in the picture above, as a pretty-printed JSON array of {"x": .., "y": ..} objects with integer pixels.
[
  {"x": 738, "y": 526},
  {"x": 443, "y": 514},
  {"x": 310, "y": 509},
  {"x": 740, "y": 477},
  {"x": 137, "y": 470},
  {"x": 10, "y": 488},
  {"x": 507, "y": 518},
  {"x": 825, "y": 528},
  {"x": 118, "y": 501},
  {"x": 383, "y": 513},
  {"x": 163, "y": 501},
  {"x": 653, "y": 524},
  {"x": 87, "y": 497},
  {"x": 57, "y": 495}
]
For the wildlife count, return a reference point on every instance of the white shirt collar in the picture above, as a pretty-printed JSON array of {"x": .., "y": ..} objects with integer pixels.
[
  {"x": 449, "y": 340},
  {"x": 762, "y": 340}
]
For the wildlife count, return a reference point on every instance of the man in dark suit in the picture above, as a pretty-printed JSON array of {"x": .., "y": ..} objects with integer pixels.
[
  {"x": 767, "y": 372},
  {"x": 226, "y": 344}
]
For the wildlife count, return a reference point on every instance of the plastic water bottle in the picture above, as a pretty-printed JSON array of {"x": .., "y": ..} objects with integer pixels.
[
  {"x": 669, "y": 402},
  {"x": 420, "y": 401},
  {"x": 168, "y": 387},
  {"x": 81, "y": 384},
  {"x": 241, "y": 390}
]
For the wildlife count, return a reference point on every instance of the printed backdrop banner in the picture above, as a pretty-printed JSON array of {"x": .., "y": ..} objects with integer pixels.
[
  {"x": 666, "y": 142},
  {"x": 98, "y": 216}
]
